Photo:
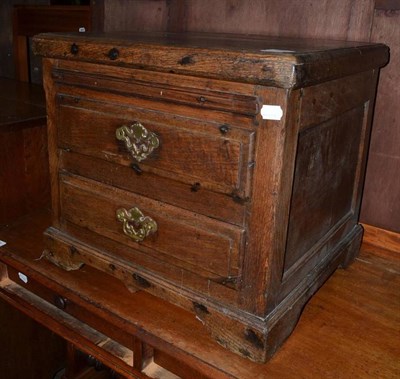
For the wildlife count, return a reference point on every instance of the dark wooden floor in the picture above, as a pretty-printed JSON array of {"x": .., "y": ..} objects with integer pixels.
[{"x": 351, "y": 328}]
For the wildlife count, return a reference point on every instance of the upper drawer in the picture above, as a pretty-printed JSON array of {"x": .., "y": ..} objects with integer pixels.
[{"x": 193, "y": 151}]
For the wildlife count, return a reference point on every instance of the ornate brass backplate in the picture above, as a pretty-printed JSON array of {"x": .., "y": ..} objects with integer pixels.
[
  {"x": 135, "y": 224},
  {"x": 139, "y": 141}
]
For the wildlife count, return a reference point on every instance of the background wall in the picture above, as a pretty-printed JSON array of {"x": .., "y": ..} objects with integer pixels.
[{"x": 381, "y": 200}]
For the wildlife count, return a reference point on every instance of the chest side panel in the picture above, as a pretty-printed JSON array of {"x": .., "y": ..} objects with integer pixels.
[{"x": 329, "y": 168}]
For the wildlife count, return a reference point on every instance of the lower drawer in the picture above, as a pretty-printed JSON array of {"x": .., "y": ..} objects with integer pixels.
[{"x": 163, "y": 232}]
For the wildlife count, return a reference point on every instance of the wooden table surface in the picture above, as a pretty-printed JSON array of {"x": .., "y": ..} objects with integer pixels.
[
  {"x": 350, "y": 329},
  {"x": 20, "y": 103}
]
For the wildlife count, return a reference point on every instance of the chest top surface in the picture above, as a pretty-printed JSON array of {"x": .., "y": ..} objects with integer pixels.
[{"x": 278, "y": 62}]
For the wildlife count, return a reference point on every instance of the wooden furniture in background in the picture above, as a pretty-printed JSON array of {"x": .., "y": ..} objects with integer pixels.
[
  {"x": 27, "y": 349},
  {"x": 245, "y": 213},
  {"x": 24, "y": 174},
  {"x": 29, "y": 20}
]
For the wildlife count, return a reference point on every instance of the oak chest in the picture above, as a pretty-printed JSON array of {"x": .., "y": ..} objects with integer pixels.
[{"x": 222, "y": 174}]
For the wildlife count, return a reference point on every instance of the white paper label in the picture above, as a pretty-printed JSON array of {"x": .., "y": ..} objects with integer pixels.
[
  {"x": 23, "y": 277},
  {"x": 271, "y": 112},
  {"x": 2, "y": 243}
]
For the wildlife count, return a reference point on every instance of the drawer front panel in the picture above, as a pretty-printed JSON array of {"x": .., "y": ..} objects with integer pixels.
[
  {"x": 179, "y": 237},
  {"x": 191, "y": 197},
  {"x": 165, "y": 87},
  {"x": 188, "y": 150}
]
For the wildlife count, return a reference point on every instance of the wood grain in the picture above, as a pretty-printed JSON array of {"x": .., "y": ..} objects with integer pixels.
[
  {"x": 328, "y": 100},
  {"x": 138, "y": 15},
  {"x": 263, "y": 60},
  {"x": 273, "y": 168},
  {"x": 387, "y": 4},
  {"x": 381, "y": 238},
  {"x": 316, "y": 209},
  {"x": 348, "y": 19}
]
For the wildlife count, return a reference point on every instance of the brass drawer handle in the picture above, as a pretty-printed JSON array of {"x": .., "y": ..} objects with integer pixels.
[
  {"x": 139, "y": 141},
  {"x": 135, "y": 224}
]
